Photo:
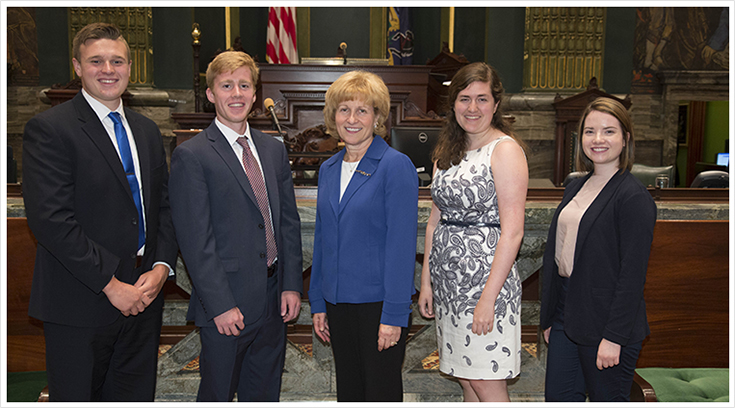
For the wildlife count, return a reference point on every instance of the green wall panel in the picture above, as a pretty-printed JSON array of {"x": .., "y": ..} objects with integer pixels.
[
  {"x": 332, "y": 25},
  {"x": 254, "y": 31},
  {"x": 505, "y": 33},
  {"x": 469, "y": 32},
  {"x": 212, "y": 25},
  {"x": 618, "y": 65},
  {"x": 716, "y": 129},
  {"x": 172, "y": 51},
  {"x": 426, "y": 27},
  {"x": 54, "y": 65}
]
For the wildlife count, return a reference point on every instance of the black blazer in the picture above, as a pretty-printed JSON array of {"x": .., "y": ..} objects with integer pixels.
[
  {"x": 220, "y": 228},
  {"x": 605, "y": 292},
  {"x": 80, "y": 208}
]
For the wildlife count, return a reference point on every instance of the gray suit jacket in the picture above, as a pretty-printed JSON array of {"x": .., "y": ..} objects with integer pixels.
[{"x": 220, "y": 228}]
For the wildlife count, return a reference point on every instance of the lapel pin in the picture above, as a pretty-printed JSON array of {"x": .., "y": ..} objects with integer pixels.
[{"x": 363, "y": 173}]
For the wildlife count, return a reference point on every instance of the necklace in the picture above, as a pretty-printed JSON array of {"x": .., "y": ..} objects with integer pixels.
[{"x": 351, "y": 166}]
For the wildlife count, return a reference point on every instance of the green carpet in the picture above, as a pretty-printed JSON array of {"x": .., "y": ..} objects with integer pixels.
[{"x": 25, "y": 386}]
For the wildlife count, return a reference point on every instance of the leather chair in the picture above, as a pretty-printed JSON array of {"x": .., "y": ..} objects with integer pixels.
[
  {"x": 647, "y": 174},
  {"x": 711, "y": 179}
]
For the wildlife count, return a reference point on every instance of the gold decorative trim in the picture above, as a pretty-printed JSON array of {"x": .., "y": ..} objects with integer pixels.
[
  {"x": 378, "y": 32},
  {"x": 451, "y": 29},
  {"x": 303, "y": 31},
  {"x": 563, "y": 47}
]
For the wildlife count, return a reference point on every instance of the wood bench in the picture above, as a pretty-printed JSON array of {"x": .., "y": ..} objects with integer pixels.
[{"x": 687, "y": 300}]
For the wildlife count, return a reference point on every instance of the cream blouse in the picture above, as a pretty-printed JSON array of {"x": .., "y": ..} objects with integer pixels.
[{"x": 569, "y": 219}]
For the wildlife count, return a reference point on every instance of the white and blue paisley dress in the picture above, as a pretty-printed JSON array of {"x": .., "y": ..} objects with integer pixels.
[{"x": 460, "y": 262}]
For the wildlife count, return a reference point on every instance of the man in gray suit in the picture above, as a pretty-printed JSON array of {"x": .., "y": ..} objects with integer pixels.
[{"x": 238, "y": 228}]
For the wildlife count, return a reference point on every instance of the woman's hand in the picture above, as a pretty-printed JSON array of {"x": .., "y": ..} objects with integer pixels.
[
  {"x": 426, "y": 302},
  {"x": 388, "y": 336},
  {"x": 547, "y": 332},
  {"x": 321, "y": 327},
  {"x": 482, "y": 320},
  {"x": 608, "y": 354}
]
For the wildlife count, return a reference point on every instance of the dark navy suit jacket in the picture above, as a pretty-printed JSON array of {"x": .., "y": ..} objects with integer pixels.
[
  {"x": 605, "y": 292},
  {"x": 80, "y": 208},
  {"x": 221, "y": 231}
]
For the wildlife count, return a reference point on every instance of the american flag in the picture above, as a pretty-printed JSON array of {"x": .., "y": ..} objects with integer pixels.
[{"x": 281, "y": 47}]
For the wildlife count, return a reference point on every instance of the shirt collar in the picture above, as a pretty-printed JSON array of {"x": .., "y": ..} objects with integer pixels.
[
  {"x": 100, "y": 109},
  {"x": 230, "y": 134}
]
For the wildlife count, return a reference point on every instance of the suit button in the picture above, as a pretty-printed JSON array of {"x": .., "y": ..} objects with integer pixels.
[
  {"x": 133, "y": 255},
  {"x": 135, "y": 221},
  {"x": 261, "y": 226},
  {"x": 262, "y": 255}
]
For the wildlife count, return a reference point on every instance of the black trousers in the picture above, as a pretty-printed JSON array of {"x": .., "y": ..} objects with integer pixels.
[
  {"x": 114, "y": 363},
  {"x": 364, "y": 373},
  {"x": 571, "y": 368},
  {"x": 251, "y": 363}
]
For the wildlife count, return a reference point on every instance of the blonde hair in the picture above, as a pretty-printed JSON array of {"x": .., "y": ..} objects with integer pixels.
[
  {"x": 230, "y": 61},
  {"x": 618, "y": 111},
  {"x": 357, "y": 86}
]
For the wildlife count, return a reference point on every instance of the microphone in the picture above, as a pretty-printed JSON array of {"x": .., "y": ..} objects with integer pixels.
[
  {"x": 268, "y": 102},
  {"x": 343, "y": 47}
]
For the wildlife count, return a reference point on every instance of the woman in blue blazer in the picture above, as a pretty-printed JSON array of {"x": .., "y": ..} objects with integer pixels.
[
  {"x": 592, "y": 308},
  {"x": 364, "y": 243}
]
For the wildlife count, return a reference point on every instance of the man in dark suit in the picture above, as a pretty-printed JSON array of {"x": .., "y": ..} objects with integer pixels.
[
  {"x": 236, "y": 221},
  {"x": 95, "y": 191}
]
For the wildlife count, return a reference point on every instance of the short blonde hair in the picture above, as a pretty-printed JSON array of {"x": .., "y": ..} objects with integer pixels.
[
  {"x": 357, "y": 86},
  {"x": 618, "y": 111},
  {"x": 230, "y": 61}
]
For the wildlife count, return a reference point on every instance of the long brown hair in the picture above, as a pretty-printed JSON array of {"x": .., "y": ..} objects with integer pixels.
[{"x": 453, "y": 140}]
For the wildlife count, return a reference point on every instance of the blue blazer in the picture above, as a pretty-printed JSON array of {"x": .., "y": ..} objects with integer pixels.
[
  {"x": 605, "y": 292},
  {"x": 365, "y": 245},
  {"x": 219, "y": 226}
]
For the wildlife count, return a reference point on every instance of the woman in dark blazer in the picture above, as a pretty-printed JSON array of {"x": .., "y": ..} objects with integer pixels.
[
  {"x": 592, "y": 308},
  {"x": 364, "y": 243}
]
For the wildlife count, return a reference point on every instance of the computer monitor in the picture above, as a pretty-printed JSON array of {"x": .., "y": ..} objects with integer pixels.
[
  {"x": 723, "y": 159},
  {"x": 417, "y": 143}
]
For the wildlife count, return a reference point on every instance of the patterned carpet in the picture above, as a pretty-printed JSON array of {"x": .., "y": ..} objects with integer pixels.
[{"x": 431, "y": 362}]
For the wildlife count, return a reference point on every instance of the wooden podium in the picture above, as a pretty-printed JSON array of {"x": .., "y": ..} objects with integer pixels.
[{"x": 298, "y": 93}]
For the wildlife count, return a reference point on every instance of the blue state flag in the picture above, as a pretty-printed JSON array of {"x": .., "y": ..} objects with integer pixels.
[{"x": 400, "y": 37}]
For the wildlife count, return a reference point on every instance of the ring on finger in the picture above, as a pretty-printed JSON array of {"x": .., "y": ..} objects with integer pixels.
[{"x": 393, "y": 343}]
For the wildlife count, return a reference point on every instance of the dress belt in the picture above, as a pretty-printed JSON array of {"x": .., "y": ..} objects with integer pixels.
[
  {"x": 470, "y": 224},
  {"x": 272, "y": 269}
]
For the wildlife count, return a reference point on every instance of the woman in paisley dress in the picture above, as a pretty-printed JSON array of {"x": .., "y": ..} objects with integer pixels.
[{"x": 469, "y": 282}]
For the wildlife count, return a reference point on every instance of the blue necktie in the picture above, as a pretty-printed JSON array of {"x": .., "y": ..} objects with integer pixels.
[{"x": 127, "y": 161}]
